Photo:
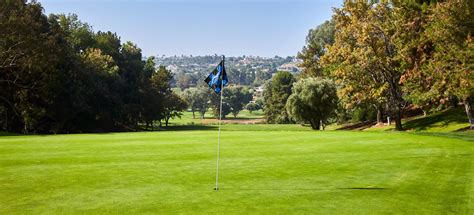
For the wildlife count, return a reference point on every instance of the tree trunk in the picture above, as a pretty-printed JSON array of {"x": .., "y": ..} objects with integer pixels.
[
  {"x": 398, "y": 120},
  {"x": 166, "y": 121},
  {"x": 315, "y": 124},
  {"x": 192, "y": 110},
  {"x": 379, "y": 115},
  {"x": 468, "y": 107}
]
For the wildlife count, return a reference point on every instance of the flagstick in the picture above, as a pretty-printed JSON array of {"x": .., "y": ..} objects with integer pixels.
[{"x": 219, "y": 133}]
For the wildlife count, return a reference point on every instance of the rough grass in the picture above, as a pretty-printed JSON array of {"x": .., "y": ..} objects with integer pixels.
[{"x": 264, "y": 169}]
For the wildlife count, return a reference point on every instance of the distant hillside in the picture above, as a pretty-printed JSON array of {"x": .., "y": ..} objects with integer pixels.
[{"x": 242, "y": 70}]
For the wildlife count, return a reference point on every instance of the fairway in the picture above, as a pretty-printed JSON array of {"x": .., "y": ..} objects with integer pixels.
[{"x": 272, "y": 170}]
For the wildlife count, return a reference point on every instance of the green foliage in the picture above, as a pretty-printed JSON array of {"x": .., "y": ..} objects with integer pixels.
[
  {"x": 363, "y": 59},
  {"x": 233, "y": 101},
  {"x": 173, "y": 106},
  {"x": 315, "y": 48},
  {"x": 59, "y": 76},
  {"x": 313, "y": 100},
  {"x": 364, "y": 113},
  {"x": 252, "y": 107},
  {"x": 276, "y": 93},
  {"x": 197, "y": 99},
  {"x": 237, "y": 97}
]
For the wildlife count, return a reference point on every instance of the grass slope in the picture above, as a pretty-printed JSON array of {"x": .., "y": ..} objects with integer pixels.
[
  {"x": 445, "y": 121},
  {"x": 264, "y": 170}
]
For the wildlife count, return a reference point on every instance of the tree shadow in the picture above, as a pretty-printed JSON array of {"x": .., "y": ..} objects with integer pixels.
[
  {"x": 8, "y": 134},
  {"x": 188, "y": 128},
  {"x": 358, "y": 126},
  {"x": 445, "y": 118}
]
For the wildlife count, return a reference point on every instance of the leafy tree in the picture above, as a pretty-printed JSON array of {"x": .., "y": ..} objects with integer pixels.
[
  {"x": 160, "y": 83},
  {"x": 276, "y": 93},
  {"x": 215, "y": 104},
  {"x": 189, "y": 95},
  {"x": 131, "y": 72},
  {"x": 30, "y": 50},
  {"x": 313, "y": 100},
  {"x": 237, "y": 97},
  {"x": 251, "y": 107},
  {"x": 452, "y": 65},
  {"x": 57, "y": 75},
  {"x": 414, "y": 50},
  {"x": 363, "y": 58},
  {"x": 183, "y": 80},
  {"x": 110, "y": 44},
  {"x": 202, "y": 100},
  {"x": 316, "y": 42},
  {"x": 260, "y": 102},
  {"x": 174, "y": 106}
]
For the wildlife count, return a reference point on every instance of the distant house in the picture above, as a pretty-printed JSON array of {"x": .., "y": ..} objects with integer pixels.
[
  {"x": 289, "y": 67},
  {"x": 257, "y": 93},
  {"x": 172, "y": 68}
]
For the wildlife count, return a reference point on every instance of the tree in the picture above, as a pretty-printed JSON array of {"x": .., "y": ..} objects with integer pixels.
[
  {"x": 237, "y": 97},
  {"x": 452, "y": 65},
  {"x": 58, "y": 76},
  {"x": 174, "y": 106},
  {"x": 313, "y": 100},
  {"x": 252, "y": 107},
  {"x": 276, "y": 93},
  {"x": 363, "y": 58},
  {"x": 30, "y": 51},
  {"x": 183, "y": 80},
  {"x": 190, "y": 95},
  {"x": 131, "y": 72},
  {"x": 215, "y": 100},
  {"x": 160, "y": 83},
  {"x": 202, "y": 102},
  {"x": 315, "y": 48}
]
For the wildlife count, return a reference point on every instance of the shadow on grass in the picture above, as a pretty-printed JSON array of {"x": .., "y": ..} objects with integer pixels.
[
  {"x": 363, "y": 188},
  {"x": 442, "y": 119},
  {"x": 188, "y": 128},
  {"x": 358, "y": 126},
  {"x": 304, "y": 189},
  {"x": 7, "y": 134}
]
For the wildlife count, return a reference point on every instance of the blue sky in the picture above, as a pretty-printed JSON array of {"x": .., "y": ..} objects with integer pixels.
[{"x": 199, "y": 27}]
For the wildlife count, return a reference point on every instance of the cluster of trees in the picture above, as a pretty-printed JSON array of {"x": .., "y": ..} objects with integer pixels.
[
  {"x": 57, "y": 76},
  {"x": 310, "y": 100},
  {"x": 386, "y": 56},
  {"x": 201, "y": 99}
]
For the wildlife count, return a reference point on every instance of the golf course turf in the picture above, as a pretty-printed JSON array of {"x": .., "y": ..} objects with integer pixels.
[{"x": 271, "y": 170}]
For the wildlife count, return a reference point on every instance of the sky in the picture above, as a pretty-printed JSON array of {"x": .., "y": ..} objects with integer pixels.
[{"x": 204, "y": 27}]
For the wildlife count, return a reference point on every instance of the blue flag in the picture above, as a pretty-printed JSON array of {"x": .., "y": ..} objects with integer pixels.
[{"x": 217, "y": 78}]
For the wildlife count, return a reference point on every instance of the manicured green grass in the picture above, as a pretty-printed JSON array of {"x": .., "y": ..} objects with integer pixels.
[
  {"x": 264, "y": 169},
  {"x": 187, "y": 117}
]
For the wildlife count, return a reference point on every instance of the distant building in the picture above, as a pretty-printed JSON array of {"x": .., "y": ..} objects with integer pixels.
[
  {"x": 172, "y": 68},
  {"x": 289, "y": 67},
  {"x": 257, "y": 93}
]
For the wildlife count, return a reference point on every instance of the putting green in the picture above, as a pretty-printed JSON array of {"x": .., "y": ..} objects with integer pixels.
[{"x": 262, "y": 171}]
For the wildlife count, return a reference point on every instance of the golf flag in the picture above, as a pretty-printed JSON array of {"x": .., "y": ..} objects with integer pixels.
[{"x": 217, "y": 78}]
